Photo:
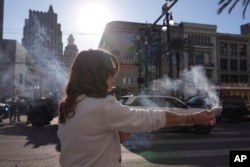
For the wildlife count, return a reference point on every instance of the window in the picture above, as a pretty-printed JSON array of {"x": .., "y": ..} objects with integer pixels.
[
  {"x": 234, "y": 64},
  {"x": 243, "y": 65},
  {"x": 243, "y": 78},
  {"x": 128, "y": 37},
  {"x": 223, "y": 64},
  {"x": 224, "y": 78},
  {"x": 128, "y": 57},
  {"x": 128, "y": 80},
  {"x": 243, "y": 50},
  {"x": 234, "y": 78},
  {"x": 198, "y": 58},
  {"x": 233, "y": 50},
  {"x": 223, "y": 49},
  {"x": 21, "y": 78}
]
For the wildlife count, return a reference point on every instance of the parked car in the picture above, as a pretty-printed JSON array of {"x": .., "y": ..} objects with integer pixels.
[
  {"x": 123, "y": 99},
  {"x": 198, "y": 102},
  {"x": 4, "y": 111},
  {"x": 234, "y": 108},
  {"x": 167, "y": 103}
]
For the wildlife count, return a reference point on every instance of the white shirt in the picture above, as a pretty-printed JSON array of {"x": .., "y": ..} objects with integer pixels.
[{"x": 90, "y": 138}]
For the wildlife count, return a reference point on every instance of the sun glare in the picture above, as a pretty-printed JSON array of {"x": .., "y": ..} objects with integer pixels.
[{"x": 93, "y": 17}]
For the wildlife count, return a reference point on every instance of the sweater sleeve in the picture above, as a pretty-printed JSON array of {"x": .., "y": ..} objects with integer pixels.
[{"x": 126, "y": 119}]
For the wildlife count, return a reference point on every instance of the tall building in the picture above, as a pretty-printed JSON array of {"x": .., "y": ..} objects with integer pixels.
[
  {"x": 1, "y": 18},
  {"x": 42, "y": 37},
  {"x": 70, "y": 52},
  {"x": 245, "y": 29}
]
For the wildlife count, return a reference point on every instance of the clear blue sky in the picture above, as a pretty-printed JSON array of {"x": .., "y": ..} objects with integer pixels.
[{"x": 87, "y": 30}]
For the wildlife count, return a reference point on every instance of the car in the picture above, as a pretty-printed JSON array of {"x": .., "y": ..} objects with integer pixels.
[
  {"x": 4, "y": 111},
  {"x": 123, "y": 99},
  {"x": 167, "y": 103},
  {"x": 234, "y": 108}
]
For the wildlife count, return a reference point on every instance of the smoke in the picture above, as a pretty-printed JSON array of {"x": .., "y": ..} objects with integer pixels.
[
  {"x": 6, "y": 69},
  {"x": 191, "y": 82},
  {"x": 48, "y": 54}
]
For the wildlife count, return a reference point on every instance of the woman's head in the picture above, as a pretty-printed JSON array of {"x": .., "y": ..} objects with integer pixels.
[
  {"x": 90, "y": 75},
  {"x": 90, "y": 72}
]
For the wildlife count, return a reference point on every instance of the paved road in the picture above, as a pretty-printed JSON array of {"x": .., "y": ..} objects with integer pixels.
[
  {"x": 178, "y": 148},
  {"x": 26, "y": 146}
]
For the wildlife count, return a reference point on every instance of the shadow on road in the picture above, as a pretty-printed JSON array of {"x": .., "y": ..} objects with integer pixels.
[{"x": 36, "y": 136}]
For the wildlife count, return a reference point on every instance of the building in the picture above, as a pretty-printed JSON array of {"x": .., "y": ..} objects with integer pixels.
[
  {"x": 42, "y": 37},
  {"x": 1, "y": 18},
  {"x": 232, "y": 58},
  {"x": 19, "y": 74},
  {"x": 245, "y": 29},
  {"x": 138, "y": 53},
  {"x": 70, "y": 52},
  {"x": 202, "y": 37},
  {"x": 145, "y": 56}
]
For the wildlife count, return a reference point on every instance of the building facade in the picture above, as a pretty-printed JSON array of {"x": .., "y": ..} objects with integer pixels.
[
  {"x": 19, "y": 74},
  {"x": 139, "y": 54},
  {"x": 42, "y": 37},
  {"x": 245, "y": 29},
  {"x": 202, "y": 38},
  {"x": 70, "y": 52},
  {"x": 1, "y": 18},
  {"x": 233, "y": 58},
  {"x": 145, "y": 57}
]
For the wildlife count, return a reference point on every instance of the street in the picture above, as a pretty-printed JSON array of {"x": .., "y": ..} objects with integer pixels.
[{"x": 26, "y": 146}]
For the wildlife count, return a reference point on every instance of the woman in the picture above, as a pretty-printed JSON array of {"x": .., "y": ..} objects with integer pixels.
[{"x": 92, "y": 123}]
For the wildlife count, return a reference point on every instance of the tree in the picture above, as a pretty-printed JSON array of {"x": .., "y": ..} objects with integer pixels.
[{"x": 225, "y": 3}]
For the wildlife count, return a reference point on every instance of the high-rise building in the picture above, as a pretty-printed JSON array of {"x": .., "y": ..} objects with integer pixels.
[
  {"x": 42, "y": 37},
  {"x": 245, "y": 29},
  {"x": 1, "y": 18}
]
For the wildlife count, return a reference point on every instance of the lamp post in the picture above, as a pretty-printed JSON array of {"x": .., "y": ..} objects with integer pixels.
[{"x": 167, "y": 22}]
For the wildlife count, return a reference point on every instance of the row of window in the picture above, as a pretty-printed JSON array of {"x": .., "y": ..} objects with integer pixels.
[
  {"x": 199, "y": 39},
  {"x": 233, "y": 50},
  {"x": 234, "y": 78},
  {"x": 233, "y": 65}
]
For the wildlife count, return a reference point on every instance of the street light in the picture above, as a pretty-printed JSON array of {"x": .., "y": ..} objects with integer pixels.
[
  {"x": 170, "y": 22},
  {"x": 167, "y": 22}
]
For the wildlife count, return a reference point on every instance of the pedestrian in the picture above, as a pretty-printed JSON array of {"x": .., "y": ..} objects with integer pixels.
[{"x": 92, "y": 123}]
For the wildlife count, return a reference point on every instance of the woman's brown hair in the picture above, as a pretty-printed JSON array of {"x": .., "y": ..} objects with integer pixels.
[{"x": 88, "y": 76}]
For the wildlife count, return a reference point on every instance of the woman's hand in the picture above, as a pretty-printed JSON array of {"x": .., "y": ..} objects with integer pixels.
[{"x": 203, "y": 118}]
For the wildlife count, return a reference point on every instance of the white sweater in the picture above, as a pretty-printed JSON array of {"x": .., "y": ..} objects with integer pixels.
[{"x": 90, "y": 138}]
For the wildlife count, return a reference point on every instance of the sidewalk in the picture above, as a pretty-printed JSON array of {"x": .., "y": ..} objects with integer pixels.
[{"x": 23, "y": 145}]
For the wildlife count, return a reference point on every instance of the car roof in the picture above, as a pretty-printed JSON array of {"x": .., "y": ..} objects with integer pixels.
[{"x": 132, "y": 98}]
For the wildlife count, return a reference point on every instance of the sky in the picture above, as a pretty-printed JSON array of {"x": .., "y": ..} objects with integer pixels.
[{"x": 86, "y": 19}]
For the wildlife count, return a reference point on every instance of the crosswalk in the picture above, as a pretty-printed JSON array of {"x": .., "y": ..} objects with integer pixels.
[{"x": 169, "y": 148}]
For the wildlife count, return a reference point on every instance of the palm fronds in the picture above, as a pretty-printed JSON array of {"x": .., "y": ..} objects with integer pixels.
[{"x": 225, "y": 3}]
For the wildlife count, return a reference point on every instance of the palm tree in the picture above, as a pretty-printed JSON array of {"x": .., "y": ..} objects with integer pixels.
[{"x": 225, "y": 3}]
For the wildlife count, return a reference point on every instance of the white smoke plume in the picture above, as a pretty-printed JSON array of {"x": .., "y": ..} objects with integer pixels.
[{"x": 192, "y": 82}]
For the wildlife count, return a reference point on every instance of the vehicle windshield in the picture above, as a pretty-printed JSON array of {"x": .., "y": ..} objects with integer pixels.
[{"x": 157, "y": 102}]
